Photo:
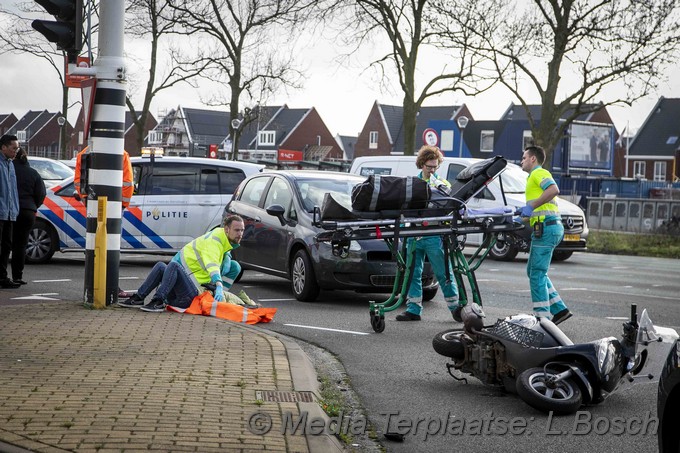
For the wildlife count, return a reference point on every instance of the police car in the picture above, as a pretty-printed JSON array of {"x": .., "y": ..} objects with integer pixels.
[{"x": 176, "y": 199}]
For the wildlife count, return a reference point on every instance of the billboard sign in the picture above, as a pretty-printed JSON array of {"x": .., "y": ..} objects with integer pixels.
[{"x": 591, "y": 146}]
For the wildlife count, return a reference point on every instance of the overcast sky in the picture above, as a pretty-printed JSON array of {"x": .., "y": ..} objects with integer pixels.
[{"x": 342, "y": 95}]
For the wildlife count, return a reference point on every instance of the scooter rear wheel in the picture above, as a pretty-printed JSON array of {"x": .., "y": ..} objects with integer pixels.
[
  {"x": 532, "y": 387},
  {"x": 449, "y": 344}
]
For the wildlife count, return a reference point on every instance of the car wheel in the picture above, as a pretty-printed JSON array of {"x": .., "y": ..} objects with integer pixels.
[
  {"x": 561, "y": 256},
  {"x": 563, "y": 397},
  {"x": 428, "y": 294},
  {"x": 302, "y": 278},
  {"x": 42, "y": 243},
  {"x": 503, "y": 251}
]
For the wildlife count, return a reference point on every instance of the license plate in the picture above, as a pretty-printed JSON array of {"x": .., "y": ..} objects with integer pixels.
[{"x": 572, "y": 237}]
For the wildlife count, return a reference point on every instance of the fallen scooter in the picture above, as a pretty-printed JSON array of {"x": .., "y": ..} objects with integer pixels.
[{"x": 532, "y": 357}]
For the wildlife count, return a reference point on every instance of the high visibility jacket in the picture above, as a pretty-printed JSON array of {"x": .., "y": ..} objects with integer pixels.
[
  {"x": 540, "y": 179},
  {"x": 205, "y": 305},
  {"x": 128, "y": 184},
  {"x": 435, "y": 180},
  {"x": 202, "y": 257}
]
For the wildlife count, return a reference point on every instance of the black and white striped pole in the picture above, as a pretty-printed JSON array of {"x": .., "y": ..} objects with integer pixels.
[{"x": 105, "y": 171}]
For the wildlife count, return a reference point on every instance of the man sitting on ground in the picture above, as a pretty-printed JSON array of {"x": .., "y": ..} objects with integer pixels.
[{"x": 204, "y": 260}]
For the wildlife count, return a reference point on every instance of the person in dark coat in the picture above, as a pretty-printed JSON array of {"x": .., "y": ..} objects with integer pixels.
[{"x": 31, "y": 189}]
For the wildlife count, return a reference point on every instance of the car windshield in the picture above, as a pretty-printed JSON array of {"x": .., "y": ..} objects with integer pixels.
[
  {"x": 514, "y": 179},
  {"x": 312, "y": 190},
  {"x": 51, "y": 169}
]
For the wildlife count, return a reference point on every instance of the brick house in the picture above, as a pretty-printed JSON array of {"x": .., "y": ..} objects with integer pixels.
[
  {"x": 38, "y": 132},
  {"x": 383, "y": 132},
  {"x": 77, "y": 142},
  {"x": 655, "y": 150}
]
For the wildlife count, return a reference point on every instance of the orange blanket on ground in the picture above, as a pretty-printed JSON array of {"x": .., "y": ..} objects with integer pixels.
[{"x": 205, "y": 305}]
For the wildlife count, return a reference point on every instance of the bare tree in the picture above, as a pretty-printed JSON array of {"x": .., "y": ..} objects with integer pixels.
[
  {"x": 409, "y": 27},
  {"x": 568, "y": 52},
  {"x": 153, "y": 20},
  {"x": 244, "y": 45},
  {"x": 17, "y": 36}
]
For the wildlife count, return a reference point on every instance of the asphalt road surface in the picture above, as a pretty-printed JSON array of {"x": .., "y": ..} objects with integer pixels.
[{"x": 400, "y": 379}]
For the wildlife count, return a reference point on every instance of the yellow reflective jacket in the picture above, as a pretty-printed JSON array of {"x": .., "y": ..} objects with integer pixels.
[{"x": 202, "y": 257}]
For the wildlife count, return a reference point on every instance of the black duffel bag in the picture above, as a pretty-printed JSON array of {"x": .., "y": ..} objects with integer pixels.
[{"x": 382, "y": 193}]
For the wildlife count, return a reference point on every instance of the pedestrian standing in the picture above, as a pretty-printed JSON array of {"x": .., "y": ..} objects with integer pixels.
[
  {"x": 428, "y": 161},
  {"x": 547, "y": 232},
  {"x": 31, "y": 191},
  {"x": 9, "y": 204}
]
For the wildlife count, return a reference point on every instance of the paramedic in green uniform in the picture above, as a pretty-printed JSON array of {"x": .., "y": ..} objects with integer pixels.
[
  {"x": 429, "y": 159},
  {"x": 546, "y": 223}
]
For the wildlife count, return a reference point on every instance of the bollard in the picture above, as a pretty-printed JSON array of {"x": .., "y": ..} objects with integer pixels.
[{"x": 99, "y": 296}]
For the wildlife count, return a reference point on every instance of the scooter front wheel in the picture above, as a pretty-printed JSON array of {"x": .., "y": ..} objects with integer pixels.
[
  {"x": 449, "y": 344},
  {"x": 563, "y": 397}
]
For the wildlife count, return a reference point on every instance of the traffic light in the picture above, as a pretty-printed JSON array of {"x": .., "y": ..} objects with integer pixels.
[{"x": 67, "y": 30}]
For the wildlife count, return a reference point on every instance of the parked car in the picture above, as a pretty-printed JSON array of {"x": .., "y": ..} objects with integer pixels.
[
  {"x": 668, "y": 402},
  {"x": 277, "y": 208},
  {"x": 51, "y": 171},
  {"x": 513, "y": 181},
  {"x": 176, "y": 199}
]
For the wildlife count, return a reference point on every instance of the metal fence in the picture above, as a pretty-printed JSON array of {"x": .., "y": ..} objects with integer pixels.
[{"x": 634, "y": 215}]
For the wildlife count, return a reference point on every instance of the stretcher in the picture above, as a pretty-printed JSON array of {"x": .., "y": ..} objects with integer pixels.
[{"x": 448, "y": 216}]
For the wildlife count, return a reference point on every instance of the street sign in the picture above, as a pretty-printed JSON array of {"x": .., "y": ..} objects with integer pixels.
[
  {"x": 74, "y": 81},
  {"x": 88, "y": 87},
  {"x": 430, "y": 137},
  {"x": 213, "y": 152}
]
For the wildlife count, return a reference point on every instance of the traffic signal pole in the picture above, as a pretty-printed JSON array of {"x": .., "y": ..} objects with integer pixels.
[{"x": 106, "y": 141}]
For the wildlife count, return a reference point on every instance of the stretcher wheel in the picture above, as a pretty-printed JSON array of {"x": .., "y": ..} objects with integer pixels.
[{"x": 378, "y": 323}]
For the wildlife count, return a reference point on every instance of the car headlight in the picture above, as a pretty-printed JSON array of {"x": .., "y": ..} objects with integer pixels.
[{"x": 354, "y": 246}]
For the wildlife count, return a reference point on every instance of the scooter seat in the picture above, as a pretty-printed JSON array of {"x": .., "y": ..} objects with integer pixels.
[{"x": 555, "y": 332}]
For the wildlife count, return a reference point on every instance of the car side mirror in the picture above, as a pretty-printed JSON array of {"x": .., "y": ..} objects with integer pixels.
[{"x": 277, "y": 211}]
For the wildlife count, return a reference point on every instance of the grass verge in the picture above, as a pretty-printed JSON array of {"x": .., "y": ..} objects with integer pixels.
[{"x": 654, "y": 245}]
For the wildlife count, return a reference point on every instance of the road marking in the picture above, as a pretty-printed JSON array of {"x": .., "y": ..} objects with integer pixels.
[
  {"x": 488, "y": 280},
  {"x": 573, "y": 289},
  {"x": 128, "y": 278},
  {"x": 274, "y": 300},
  {"x": 616, "y": 318},
  {"x": 52, "y": 281},
  {"x": 327, "y": 329},
  {"x": 35, "y": 297}
]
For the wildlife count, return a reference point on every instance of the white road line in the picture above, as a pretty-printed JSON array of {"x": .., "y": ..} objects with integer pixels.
[
  {"x": 128, "y": 278},
  {"x": 274, "y": 300},
  {"x": 329, "y": 330},
  {"x": 34, "y": 297},
  {"x": 52, "y": 281},
  {"x": 46, "y": 294},
  {"x": 572, "y": 289},
  {"x": 616, "y": 318}
]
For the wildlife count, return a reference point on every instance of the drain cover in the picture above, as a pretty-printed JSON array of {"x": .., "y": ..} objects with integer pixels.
[{"x": 284, "y": 397}]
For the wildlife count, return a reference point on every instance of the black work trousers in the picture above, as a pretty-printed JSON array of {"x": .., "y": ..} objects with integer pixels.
[{"x": 22, "y": 227}]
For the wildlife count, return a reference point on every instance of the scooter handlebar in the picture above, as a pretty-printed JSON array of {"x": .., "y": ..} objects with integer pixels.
[{"x": 633, "y": 313}]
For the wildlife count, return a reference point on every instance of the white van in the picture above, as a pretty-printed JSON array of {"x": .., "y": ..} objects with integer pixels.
[{"x": 514, "y": 185}]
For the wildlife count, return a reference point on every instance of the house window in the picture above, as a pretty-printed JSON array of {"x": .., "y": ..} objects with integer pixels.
[
  {"x": 659, "y": 171},
  {"x": 672, "y": 140},
  {"x": 155, "y": 138},
  {"x": 639, "y": 169},
  {"x": 527, "y": 139},
  {"x": 486, "y": 142},
  {"x": 373, "y": 140},
  {"x": 21, "y": 136},
  {"x": 266, "y": 138}
]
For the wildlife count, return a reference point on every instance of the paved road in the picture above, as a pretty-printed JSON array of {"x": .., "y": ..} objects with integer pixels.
[{"x": 399, "y": 377}]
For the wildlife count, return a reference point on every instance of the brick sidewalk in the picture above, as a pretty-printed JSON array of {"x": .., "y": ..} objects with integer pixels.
[{"x": 120, "y": 379}]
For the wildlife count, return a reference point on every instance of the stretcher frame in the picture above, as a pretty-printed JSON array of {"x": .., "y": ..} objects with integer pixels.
[{"x": 396, "y": 227}]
